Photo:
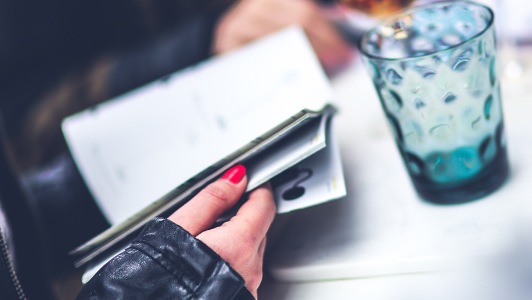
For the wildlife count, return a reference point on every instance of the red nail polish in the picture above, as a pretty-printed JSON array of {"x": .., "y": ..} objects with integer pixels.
[{"x": 235, "y": 174}]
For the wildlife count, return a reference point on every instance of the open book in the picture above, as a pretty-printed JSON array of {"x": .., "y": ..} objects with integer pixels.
[{"x": 146, "y": 153}]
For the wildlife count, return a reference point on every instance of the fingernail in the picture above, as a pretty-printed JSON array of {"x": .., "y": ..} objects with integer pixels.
[{"x": 235, "y": 174}]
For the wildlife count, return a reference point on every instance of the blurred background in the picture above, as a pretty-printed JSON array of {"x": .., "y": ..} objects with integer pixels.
[{"x": 59, "y": 57}]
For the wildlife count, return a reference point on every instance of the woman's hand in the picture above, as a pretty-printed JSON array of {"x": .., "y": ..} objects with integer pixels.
[
  {"x": 240, "y": 241},
  {"x": 251, "y": 19}
]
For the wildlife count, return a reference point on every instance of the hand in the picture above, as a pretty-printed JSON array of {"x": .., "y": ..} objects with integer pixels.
[
  {"x": 240, "y": 241},
  {"x": 251, "y": 19}
]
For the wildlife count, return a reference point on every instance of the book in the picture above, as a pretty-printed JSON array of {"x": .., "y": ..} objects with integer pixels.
[{"x": 266, "y": 105}]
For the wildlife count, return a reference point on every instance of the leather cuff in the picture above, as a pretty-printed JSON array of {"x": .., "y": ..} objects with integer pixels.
[{"x": 197, "y": 266}]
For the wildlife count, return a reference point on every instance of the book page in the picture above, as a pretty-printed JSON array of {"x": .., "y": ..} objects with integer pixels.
[
  {"x": 139, "y": 146},
  {"x": 287, "y": 152},
  {"x": 315, "y": 180}
]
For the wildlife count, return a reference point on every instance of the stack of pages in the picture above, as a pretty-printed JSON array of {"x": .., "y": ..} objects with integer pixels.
[{"x": 145, "y": 153}]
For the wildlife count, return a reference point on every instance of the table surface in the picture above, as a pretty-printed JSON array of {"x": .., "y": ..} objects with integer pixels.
[{"x": 382, "y": 240}]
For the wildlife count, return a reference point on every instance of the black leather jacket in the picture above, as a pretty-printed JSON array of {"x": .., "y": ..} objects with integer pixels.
[{"x": 166, "y": 262}]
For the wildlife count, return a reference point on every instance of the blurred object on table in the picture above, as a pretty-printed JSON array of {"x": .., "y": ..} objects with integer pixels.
[
  {"x": 359, "y": 15},
  {"x": 376, "y": 8}
]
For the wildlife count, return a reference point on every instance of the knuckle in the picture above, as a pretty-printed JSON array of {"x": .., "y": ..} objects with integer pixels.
[
  {"x": 249, "y": 241},
  {"x": 216, "y": 195}
]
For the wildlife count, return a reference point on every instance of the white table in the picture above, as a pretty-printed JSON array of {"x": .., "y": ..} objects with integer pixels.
[{"x": 382, "y": 241}]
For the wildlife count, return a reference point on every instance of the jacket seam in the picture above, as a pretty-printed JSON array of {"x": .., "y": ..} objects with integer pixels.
[{"x": 182, "y": 271}]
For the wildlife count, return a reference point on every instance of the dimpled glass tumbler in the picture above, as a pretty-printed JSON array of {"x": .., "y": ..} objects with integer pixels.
[{"x": 434, "y": 68}]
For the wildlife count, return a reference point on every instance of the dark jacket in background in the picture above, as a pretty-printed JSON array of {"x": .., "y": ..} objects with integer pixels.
[{"x": 70, "y": 55}]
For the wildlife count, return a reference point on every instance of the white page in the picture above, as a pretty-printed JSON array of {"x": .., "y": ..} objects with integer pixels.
[
  {"x": 319, "y": 178},
  {"x": 135, "y": 148},
  {"x": 288, "y": 152}
]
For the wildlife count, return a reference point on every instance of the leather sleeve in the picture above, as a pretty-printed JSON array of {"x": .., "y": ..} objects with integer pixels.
[{"x": 166, "y": 262}]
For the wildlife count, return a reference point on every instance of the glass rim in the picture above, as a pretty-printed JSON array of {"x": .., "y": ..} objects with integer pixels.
[{"x": 490, "y": 23}]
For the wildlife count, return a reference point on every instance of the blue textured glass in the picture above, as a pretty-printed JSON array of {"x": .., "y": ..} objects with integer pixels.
[{"x": 434, "y": 69}]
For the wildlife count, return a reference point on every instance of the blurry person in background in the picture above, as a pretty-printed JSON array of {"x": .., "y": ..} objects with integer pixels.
[{"x": 251, "y": 19}]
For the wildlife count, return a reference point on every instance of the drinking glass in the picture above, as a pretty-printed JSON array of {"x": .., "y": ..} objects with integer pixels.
[{"x": 434, "y": 69}]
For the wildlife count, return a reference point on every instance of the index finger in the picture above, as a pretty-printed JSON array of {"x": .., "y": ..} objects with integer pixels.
[
  {"x": 201, "y": 212},
  {"x": 256, "y": 215}
]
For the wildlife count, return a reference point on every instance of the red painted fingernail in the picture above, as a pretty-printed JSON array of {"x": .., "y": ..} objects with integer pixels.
[{"x": 235, "y": 174}]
